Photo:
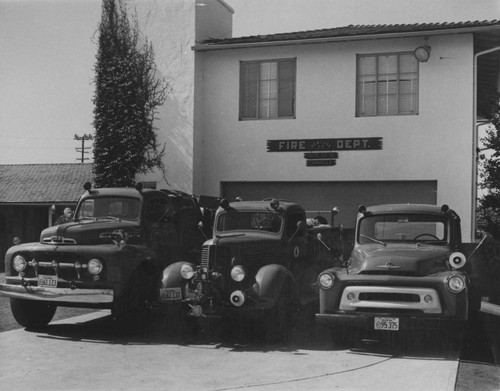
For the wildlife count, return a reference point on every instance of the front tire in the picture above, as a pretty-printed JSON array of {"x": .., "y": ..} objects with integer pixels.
[
  {"x": 130, "y": 310},
  {"x": 32, "y": 314},
  {"x": 276, "y": 321}
]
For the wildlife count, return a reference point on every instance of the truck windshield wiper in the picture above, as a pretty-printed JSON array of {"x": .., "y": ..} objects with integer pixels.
[
  {"x": 373, "y": 240},
  {"x": 228, "y": 235},
  {"x": 432, "y": 242}
]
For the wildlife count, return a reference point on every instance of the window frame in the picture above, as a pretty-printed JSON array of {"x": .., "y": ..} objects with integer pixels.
[
  {"x": 415, "y": 95},
  {"x": 258, "y": 100}
]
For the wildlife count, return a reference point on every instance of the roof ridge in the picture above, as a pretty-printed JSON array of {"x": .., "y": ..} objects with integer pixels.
[
  {"x": 44, "y": 164},
  {"x": 352, "y": 30}
]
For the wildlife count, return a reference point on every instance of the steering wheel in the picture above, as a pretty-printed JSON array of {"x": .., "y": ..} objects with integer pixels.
[{"x": 425, "y": 234}]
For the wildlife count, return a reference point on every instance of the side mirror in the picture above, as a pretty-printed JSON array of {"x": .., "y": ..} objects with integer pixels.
[
  {"x": 200, "y": 227},
  {"x": 301, "y": 228},
  {"x": 319, "y": 237}
]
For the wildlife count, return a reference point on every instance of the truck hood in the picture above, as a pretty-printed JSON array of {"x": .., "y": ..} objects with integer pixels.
[
  {"x": 89, "y": 232},
  {"x": 399, "y": 259}
]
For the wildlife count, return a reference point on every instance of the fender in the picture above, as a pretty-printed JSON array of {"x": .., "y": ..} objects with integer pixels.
[
  {"x": 270, "y": 281},
  {"x": 172, "y": 278}
]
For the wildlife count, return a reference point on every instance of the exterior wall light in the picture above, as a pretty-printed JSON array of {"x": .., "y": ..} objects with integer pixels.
[{"x": 422, "y": 53}]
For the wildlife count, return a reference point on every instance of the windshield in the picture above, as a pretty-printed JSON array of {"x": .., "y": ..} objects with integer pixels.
[
  {"x": 109, "y": 207},
  {"x": 249, "y": 221},
  {"x": 426, "y": 228}
]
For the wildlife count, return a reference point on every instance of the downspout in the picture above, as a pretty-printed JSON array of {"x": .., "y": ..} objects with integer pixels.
[{"x": 475, "y": 137}]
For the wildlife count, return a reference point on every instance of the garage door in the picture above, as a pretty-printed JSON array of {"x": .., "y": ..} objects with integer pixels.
[{"x": 347, "y": 196}]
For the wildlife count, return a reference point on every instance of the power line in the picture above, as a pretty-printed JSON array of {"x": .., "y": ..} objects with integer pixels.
[{"x": 83, "y": 149}]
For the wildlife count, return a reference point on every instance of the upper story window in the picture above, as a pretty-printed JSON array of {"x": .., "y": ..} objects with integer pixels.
[
  {"x": 267, "y": 89},
  {"x": 387, "y": 84}
]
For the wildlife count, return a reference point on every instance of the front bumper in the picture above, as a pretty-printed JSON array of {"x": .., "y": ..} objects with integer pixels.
[
  {"x": 61, "y": 295},
  {"x": 416, "y": 302},
  {"x": 406, "y": 323}
]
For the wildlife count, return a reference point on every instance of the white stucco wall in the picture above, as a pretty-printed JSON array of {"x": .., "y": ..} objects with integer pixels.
[
  {"x": 172, "y": 27},
  {"x": 169, "y": 25},
  {"x": 434, "y": 145}
]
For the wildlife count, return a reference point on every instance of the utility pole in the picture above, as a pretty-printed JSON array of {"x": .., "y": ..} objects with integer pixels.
[{"x": 83, "y": 149}]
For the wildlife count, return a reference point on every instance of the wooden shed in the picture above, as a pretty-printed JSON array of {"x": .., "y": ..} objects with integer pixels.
[{"x": 32, "y": 196}]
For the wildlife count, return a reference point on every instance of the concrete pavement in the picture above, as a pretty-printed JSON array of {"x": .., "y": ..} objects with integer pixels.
[{"x": 82, "y": 354}]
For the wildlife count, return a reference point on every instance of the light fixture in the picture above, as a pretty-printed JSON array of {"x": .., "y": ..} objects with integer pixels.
[{"x": 422, "y": 53}]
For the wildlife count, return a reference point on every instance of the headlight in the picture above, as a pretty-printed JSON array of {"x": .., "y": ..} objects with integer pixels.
[
  {"x": 94, "y": 267},
  {"x": 19, "y": 263},
  {"x": 456, "y": 284},
  {"x": 326, "y": 280},
  {"x": 238, "y": 273},
  {"x": 187, "y": 271}
]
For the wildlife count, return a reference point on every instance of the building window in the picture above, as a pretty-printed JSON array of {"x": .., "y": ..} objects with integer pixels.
[
  {"x": 267, "y": 89},
  {"x": 387, "y": 84}
]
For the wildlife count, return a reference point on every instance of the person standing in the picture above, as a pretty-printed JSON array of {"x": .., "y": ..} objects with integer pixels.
[{"x": 65, "y": 217}]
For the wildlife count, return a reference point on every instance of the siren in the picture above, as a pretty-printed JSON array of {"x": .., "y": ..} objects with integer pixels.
[
  {"x": 457, "y": 260},
  {"x": 237, "y": 298}
]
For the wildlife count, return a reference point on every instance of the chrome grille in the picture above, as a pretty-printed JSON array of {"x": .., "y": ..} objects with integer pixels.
[{"x": 216, "y": 257}]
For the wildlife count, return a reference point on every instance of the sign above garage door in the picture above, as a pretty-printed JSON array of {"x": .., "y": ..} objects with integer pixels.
[{"x": 326, "y": 145}]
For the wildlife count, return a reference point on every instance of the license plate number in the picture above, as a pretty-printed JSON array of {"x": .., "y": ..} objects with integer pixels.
[
  {"x": 391, "y": 324},
  {"x": 170, "y": 293},
  {"x": 47, "y": 281}
]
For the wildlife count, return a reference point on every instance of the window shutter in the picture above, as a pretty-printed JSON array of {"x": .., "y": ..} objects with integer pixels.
[
  {"x": 249, "y": 90},
  {"x": 286, "y": 89},
  {"x": 367, "y": 91}
]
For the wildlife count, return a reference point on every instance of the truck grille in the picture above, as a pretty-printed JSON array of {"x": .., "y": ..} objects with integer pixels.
[
  {"x": 216, "y": 257},
  {"x": 396, "y": 297},
  {"x": 390, "y": 299},
  {"x": 58, "y": 240}
]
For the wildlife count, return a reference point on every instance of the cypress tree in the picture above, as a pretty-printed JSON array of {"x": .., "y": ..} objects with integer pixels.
[{"x": 127, "y": 96}]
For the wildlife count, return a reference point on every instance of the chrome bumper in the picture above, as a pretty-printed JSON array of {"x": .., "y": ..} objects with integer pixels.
[{"x": 63, "y": 295}]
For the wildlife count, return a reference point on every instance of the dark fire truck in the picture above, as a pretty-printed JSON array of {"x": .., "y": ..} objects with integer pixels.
[{"x": 109, "y": 256}]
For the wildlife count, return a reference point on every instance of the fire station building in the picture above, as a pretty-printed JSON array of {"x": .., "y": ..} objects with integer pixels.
[{"x": 344, "y": 116}]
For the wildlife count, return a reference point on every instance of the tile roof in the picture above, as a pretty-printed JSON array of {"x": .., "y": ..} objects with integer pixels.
[
  {"x": 352, "y": 31},
  {"x": 43, "y": 183}
]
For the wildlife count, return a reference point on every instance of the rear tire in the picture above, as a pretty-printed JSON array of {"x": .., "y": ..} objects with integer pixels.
[{"x": 32, "y": 314}]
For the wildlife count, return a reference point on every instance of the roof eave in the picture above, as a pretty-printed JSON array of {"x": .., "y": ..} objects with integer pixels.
[{"x": 360, "y": 37}]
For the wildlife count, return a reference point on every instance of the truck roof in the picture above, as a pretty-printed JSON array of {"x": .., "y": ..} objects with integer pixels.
[
  {"x": 405, "y": 208},
  {"x": 126, "y": 192}
]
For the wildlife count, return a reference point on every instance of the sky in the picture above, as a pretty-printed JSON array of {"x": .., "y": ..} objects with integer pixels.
[
  {"x": 254, "y": 17},
  {"x": 47, "y": 52}
]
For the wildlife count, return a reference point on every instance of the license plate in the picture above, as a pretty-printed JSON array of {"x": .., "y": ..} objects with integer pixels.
[
  {"x": 391, "y": 324},
  {"x": 170, "y": 294},
  {"x": 47, "y": 281}
]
